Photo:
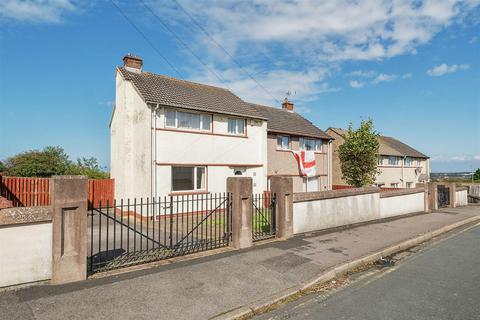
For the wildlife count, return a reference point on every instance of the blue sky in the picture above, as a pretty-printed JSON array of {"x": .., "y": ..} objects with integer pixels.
[{"x": 412, "y": 66}]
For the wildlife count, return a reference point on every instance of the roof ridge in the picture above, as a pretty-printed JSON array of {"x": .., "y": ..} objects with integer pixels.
[{"x": 179, "y": 80}]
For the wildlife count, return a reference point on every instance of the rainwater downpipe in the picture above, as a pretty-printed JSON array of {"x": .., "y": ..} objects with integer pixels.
[{"x": 153, "y": 152}]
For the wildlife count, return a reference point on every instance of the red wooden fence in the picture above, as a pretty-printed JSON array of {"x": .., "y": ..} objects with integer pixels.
[
  {"x": 29, "y": 192},
  {"x": 101, "y": 191},
  {"x": 25, "y": 192}
]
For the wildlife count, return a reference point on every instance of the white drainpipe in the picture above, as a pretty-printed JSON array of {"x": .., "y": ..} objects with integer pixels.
[
  {"x": 153, "y": 153},
  {"x": 329, "y": 166}
]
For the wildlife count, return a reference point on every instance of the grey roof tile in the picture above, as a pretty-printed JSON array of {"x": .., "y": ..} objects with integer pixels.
[
  {"x": 390, "y": 146},
  {"x": 180, "y": 93},
  {"x": 283, "y": 121}
]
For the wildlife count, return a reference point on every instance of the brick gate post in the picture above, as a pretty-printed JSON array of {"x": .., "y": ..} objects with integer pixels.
[
  {"x": 432, "y": 196},
  {"x": 69, "y": 225},
  {"x": 241, "y": 190},
  {"x": 282, "y": 186},
  {"x": 452, "y": 189}
]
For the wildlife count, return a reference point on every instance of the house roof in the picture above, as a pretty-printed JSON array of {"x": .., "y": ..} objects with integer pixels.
[
  {"x": 390, "y": 146},
  {"x": 283, "y": 121},
  {"x": 168, "y": 91}
]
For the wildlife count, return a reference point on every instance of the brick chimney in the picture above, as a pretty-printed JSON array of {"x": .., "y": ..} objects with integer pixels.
[
  {"x": 133, "y": 63},
  {"x": 287, "y": 105}
]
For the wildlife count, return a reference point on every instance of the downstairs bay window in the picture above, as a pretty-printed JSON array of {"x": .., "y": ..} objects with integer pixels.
[{"x": 188, "y": 178}]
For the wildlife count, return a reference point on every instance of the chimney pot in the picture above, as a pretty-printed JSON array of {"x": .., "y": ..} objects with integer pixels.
[
  {"x": 287, "y": 105},
  {"x": 133, "y": 63}
]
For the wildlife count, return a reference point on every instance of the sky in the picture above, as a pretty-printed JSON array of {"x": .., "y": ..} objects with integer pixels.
[{"x": 411, "y": 66}]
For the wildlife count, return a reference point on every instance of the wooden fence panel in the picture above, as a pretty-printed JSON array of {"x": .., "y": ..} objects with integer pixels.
[{"x": 29, "y": 192}]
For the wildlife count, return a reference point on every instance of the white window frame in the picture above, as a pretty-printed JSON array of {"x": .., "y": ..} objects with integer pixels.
[
  {"x": 317, "y": 143},
  {"x": 202, "y": 116},
  {"x": 409, "y": 162},
  {"x": 280, "y": 146},
  {"x": 237, "y": 120},
  {"x": 380, "y": 160},
  {"x": 394, "y": 185},
  {"x": 396, "y": 163},
  {"x": 195, "y": 188}
]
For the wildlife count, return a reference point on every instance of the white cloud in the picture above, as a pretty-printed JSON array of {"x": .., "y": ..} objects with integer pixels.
[
  {"x": 35, "y": 10},
  {"x": 444, "y": 68},
  {"x": 407, "y": 76},
  {"x": 296, "y": 36},
  {"x": 356, "y": 84},
  {"x": 382, "y": 77},
  {"x": 457, "y": 158},
  {"x": 363, "y": 74},
  {"x": 477, "y": 157},
  {"x": 304, "y": 86}
]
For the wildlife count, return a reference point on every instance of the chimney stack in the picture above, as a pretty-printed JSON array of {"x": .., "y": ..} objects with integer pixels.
[
  {"x": 133, "y": 63},
  {"x": 287, "y": 105}
]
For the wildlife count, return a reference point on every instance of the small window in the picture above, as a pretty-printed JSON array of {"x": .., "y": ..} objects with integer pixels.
[
  {"x": 310, "y": 144},
  {"x": 188, "y": 178},
  {"x": 380, "y": 160},
  {"x": 409, "y": 184},
  {"x": 236, "y": 126},
  {"x": 380, "y": 185},
  {"x": 283, "y": 142},
  {"x": 394, "y": 185},
  {"x": 408, "y": 162}
]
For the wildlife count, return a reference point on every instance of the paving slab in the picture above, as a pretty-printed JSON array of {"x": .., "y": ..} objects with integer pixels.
[{"x": 205, "y": 287}]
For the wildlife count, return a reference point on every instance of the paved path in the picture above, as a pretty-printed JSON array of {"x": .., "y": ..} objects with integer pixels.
[
  {"x": 442, "y": 282},
  {"x": 208, "y": 286}
]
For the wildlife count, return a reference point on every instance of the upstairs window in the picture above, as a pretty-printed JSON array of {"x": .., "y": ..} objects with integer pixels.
[
  {"x": 283, "y": 142},
  {"x": 393, "y": 161},
  {"x": 380, "y": 160},
  {"x": 187, "y": 120},
  {"x": 310, "y": 144},
  {"x": 236, "y": 126},
  {"x": 408, "y": 162}
]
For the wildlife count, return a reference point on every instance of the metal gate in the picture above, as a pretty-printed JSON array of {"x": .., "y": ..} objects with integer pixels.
[
  {"x": 263, "y": 216},
  {"x": 143, "y": 230},
  {"x": 443, "y": 196}
]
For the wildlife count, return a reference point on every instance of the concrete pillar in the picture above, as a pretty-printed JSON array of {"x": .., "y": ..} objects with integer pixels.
[
  {"x": 282, "y": 186},
  {"x": 452, "y": 189},
  {"x": 69, "y": 224},
  {"x": 432, "y": 196},
  {"x": 241, "y": 190}
]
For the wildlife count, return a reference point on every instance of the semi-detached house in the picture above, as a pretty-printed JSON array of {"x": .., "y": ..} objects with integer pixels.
[
  {"x": 399, "y": 165},
  {"x": 170, "y": 136}
]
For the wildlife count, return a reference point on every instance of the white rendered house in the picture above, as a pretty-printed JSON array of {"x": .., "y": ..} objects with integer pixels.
[{"x": 170, "y": 136}]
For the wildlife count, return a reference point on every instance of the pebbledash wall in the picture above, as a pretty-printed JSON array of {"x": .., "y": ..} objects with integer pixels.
[
  {"x": 25, "y": 245},
  {"x": 314, "y": 211}
]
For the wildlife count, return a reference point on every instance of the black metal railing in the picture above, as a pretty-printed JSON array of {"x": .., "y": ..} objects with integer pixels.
[
  {"x": 263, "y": 216},
  {"x": 129, "y": 232}
]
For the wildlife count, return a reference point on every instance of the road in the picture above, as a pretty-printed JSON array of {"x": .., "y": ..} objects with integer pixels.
[{"x": 439, "y": 282}]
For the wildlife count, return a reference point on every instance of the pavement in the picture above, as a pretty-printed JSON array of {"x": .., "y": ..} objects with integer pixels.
[
  {"x": 441, "y": 282},
  {"x": 221, "y": 284}
]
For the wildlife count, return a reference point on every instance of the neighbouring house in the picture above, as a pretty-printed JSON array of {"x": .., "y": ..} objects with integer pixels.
[
  {"x": 399, "y": 165},
  {"x": 170, "y": 136},
  {"x": 287, "y": 131}
]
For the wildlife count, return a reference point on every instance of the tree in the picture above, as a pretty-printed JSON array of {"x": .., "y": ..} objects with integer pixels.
[
  {"x": 88, "y": 167},
  {"x": 359, "y": 154},
  {"x": 50, "y": 161},
  {"x": 2, "y": 166},
  {"x": 476, "y": 175}
]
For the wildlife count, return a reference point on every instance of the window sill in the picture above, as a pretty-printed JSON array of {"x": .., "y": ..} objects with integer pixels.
[
  {"x": 185, "y": 193},
  {"x": 211, "y": 133}
]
